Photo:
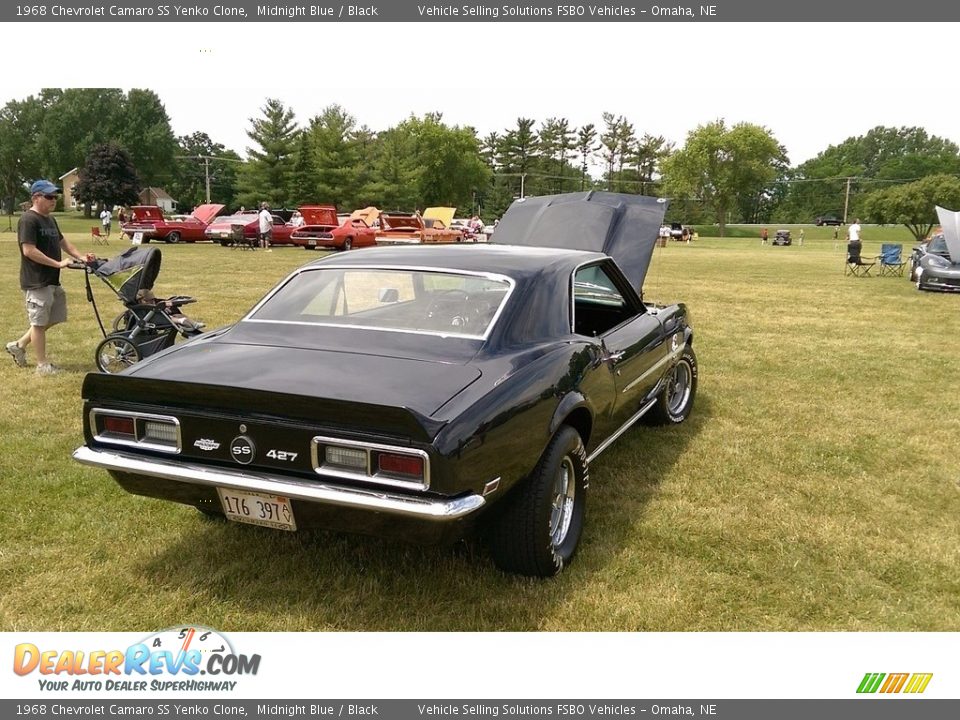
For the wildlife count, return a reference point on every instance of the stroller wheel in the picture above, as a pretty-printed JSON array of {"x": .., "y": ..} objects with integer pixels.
[
  {"x": 116, "y": 353},
  {"x": 123, "y": 321}
]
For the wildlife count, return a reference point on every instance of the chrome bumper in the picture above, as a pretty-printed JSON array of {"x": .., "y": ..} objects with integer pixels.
[{"x": 316, "y": 492}]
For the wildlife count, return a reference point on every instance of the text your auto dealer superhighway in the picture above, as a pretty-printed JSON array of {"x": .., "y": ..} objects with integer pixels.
[{"x": 145, "y": 11}]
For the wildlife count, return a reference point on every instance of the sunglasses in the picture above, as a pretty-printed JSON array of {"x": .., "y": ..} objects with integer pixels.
[{"x": 50, "y": 197}]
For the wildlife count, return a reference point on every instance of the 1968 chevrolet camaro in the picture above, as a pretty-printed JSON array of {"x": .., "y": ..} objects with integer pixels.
[{"x": 418, "y": 392}]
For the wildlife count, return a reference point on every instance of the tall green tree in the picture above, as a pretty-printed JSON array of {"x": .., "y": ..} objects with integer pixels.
[
  {"x": 394, "y": 182},
  {"x": 819, "y": 186},
  {"x": 303, "y": 173},
  {"x": 586, "y": 147},
  {"x": 720, "y": 165},
  {"x": 107, "y": 178},
  {"x": 141, "y": 125},
  {"x": 332, "y": 137},
  {"x": 76, "y": 120},
  {"x": 517, "y": 155},
  {"x": 556, "y": 143},
  {"x": 453, "y": 171},
  {"x": 913, "y": 204},
  {"x": 20, "y": 123},
  {"x": 265, "y": 177}
]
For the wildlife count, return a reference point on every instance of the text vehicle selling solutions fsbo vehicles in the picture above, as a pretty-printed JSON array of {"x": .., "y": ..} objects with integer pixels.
[{"x": 420, "y": 392}]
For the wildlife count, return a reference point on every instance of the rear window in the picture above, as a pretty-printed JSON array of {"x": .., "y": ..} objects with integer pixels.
[{"x": 398, "y": 300}]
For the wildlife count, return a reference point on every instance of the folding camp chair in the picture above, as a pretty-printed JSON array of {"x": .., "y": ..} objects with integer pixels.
[
  {"x": 98, "y": 237},
  {"x": 890, "y": 259},
  {"x": 856, "y": 265}
]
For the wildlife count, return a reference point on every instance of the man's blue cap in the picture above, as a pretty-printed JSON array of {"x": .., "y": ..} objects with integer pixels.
[{"x": 44, "y": 186}]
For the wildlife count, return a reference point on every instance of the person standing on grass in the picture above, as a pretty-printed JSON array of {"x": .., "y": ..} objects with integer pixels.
[
  {"x": 266, "y": 226},
  {"x": 763, "y": 236},
  {"x": 801, "y": 237},
  {"x": 41, "y": 243},
  {"x": 853, "y": 232},
  {"x": 836, "y": 237},
  {"x": 105, "y": 219}
]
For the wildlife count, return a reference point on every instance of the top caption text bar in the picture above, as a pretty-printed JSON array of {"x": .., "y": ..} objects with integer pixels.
[{"x": 531, "y": 11}]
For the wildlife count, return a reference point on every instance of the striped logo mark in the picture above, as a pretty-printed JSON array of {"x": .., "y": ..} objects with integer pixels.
[{"x": 894, "y": 683}]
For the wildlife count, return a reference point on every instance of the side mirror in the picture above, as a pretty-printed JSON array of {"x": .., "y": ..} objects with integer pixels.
[{"x": 389, "y": 295}]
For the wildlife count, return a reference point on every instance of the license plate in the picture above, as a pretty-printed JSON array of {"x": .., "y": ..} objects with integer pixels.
[
  {"x": 271, "y": 511},
  {"x": 312, "y": 243}
]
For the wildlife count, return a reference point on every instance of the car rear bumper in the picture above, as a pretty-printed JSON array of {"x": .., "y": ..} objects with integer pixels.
[{"x": 130, "y": 469}]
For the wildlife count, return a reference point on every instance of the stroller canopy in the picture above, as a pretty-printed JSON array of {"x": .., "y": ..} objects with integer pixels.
[{"x": 130, "y": 272}]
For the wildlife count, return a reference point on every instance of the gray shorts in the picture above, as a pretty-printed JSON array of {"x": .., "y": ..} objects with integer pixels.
[{"x": 46, "y": 306}]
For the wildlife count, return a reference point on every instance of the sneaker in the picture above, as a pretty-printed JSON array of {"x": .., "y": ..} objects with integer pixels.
[
  {"x": 268, "y": 250},
  {"x": 18, "y": 353},
  {"x": 47, "y": 369}
]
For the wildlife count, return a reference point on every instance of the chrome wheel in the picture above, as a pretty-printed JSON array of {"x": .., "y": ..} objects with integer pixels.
[
  {"x": 115, "y": 354},
  {"x": 561, "y": 507},
  {"x": 678, "y": 387}
]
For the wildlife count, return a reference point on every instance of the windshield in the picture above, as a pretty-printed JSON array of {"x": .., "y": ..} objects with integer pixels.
[
  {"x": 937, "y": 244},
  {"x": 235, "y": 220},
  {"x": 398, "y": 300}
]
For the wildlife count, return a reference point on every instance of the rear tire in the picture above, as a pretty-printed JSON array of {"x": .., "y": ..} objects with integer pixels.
[
  {"x": 121, "y": 323},
  {"x": 173, "y": 238},
  {"x": 675, "y": 402},
  {"x": 538, "y": 532},
  {"x": 116, "y": 353},
  {"x": 348, "y": 244}
]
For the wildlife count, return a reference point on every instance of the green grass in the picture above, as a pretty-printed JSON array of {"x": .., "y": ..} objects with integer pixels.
[{"x": 815, "y": 487}]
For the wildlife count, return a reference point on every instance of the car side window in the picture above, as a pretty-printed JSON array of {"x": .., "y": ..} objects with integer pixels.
[{"x": 598, "y": 304}]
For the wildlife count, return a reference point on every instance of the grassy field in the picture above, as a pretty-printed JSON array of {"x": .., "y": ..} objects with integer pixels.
[{"x": 815, "y": 488}]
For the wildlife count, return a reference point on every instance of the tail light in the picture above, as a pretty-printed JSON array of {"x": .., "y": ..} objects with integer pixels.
[
  {"x": 370, "y": 462},
  {"x": 142, "y": 430},
  {"x": 410, "y": 466}
]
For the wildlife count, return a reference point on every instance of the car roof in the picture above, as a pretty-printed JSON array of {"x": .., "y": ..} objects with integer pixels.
[{"x": 513, "y": 261}]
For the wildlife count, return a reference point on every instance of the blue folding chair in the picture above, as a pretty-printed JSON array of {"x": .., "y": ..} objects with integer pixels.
[{"x": 891, "y": 262}]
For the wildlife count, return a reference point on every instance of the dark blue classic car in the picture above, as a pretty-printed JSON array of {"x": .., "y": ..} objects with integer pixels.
[
  {"x": 935, "y": 265},
  {"x": 419, "y": 392}
]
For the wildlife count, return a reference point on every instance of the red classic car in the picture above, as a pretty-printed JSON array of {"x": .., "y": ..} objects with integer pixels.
[
  {"x": 148, "y": 220},
  {"x": 222, "y": 231},
  {"x": 322, "y": 228},
  {"x": 431, "y": 227}
]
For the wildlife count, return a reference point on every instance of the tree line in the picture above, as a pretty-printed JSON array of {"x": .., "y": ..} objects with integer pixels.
[{"x": 722, "y": 173}]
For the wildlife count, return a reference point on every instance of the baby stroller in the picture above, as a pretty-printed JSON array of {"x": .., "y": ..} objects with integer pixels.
[{"x": 148, "y": 324}]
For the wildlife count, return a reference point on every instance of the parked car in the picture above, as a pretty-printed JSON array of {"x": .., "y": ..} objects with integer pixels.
[
  {"x": 679, "y": 231},
  {"x": 827, "y": 220},
  {"x": 935, "y": 264},
  {"x": 782, "y": 238},
  {"x": 412, "y": 228},
  {"x": 224, "y": 229},
  {"x": 419, "y": 392},
  {"x": 323, "y": 228},
  {"x": 148, "y": 220}
]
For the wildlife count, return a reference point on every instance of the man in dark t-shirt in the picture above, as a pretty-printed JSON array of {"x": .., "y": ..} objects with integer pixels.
[{"x": 41, "y": 243}]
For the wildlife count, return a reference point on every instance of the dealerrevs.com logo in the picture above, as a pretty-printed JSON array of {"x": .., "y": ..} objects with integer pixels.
[
  {"x": 890, "y": 683},
  {"x": 182, "y": 658}
]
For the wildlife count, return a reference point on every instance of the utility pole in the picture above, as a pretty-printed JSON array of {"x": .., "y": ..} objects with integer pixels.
[
  {"x": 206, "y": 166},
  {"x": 846, "y": 201},
  {"x": 206, "y": 175}
]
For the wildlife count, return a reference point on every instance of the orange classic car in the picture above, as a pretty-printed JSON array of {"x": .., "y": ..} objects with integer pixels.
[
  {"x": 431, "y": 227},
  {"x": 322, "y": 228}
]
